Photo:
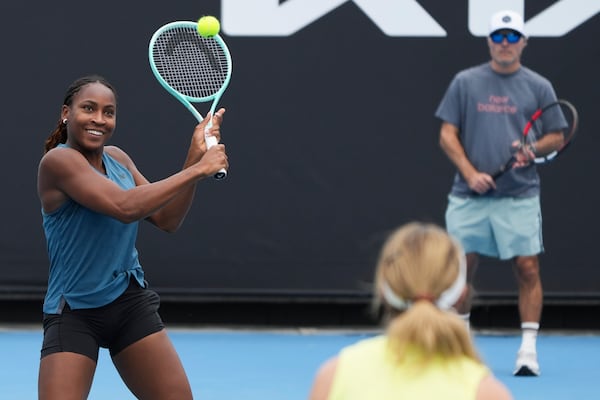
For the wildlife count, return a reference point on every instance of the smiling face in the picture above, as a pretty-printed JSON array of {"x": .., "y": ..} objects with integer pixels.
[
  {"x": 91, "y": 117},
  {"x": 506, "y": 57}
]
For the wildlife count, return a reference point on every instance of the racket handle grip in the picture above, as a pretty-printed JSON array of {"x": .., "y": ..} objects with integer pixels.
[
  {"x": 210, "y": 142},
  {"x": 221, "y": 174}
]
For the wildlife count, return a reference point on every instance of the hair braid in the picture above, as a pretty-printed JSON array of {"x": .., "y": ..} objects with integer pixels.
[{"x": 58, "y": 135}]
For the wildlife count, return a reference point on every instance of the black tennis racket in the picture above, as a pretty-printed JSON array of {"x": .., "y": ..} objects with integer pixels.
[
  {"x": 194, "y": 69},
  {"x": 560, "y": 116}
]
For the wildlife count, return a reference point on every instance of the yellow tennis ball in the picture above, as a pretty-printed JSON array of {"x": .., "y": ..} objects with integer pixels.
[{"x": 208, "y": 26}]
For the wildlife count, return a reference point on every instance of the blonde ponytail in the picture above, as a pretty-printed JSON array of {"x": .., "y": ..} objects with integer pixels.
[
  {"x": 419, "y": 265},
  {"x": 432, "y": 331}
]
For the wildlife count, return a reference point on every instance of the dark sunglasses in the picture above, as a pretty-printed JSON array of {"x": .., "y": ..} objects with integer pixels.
[{"x": 511, "y": 37}]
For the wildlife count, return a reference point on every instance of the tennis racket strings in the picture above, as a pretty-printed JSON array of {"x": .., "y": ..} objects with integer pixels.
[{"x": 193, "y": 65}]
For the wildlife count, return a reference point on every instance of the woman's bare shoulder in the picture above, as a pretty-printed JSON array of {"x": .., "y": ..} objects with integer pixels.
[
  {"x": 491, "y": 388},
  {"x": 119, "y": 154}
]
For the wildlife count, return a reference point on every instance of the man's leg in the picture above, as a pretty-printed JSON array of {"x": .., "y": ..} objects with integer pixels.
[
  {"x": 463, "y": 308},
  {"x": 527, "y": 271}
]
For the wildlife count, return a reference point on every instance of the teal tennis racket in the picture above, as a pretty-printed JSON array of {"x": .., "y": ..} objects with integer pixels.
[{"x": 194, "y": 69}]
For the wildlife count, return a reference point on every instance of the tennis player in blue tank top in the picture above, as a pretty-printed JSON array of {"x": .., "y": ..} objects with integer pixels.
[{"x": 92, "y": 198}]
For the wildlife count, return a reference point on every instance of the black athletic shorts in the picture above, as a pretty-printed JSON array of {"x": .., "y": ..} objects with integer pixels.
[{"x": 131, "y": 317}]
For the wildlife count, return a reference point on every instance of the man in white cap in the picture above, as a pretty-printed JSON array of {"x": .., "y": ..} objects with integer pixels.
[{"x": 483, "y": 113}]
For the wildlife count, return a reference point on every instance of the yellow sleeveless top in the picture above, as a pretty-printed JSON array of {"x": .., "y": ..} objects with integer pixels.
[{"x": 367, "y": 371}]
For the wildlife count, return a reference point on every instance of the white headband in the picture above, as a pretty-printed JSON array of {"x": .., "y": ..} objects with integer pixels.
[{"x": 447, "y": 299}]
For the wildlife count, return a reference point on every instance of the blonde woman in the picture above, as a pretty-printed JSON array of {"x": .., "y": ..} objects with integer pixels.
[{"x": 426, "y": 351}]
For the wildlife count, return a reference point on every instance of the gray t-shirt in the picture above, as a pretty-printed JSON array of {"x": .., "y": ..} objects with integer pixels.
[{"x": 490, "y": 110}]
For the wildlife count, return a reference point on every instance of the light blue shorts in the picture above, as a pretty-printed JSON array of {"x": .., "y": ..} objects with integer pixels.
[{"x": 496, "y": 227}]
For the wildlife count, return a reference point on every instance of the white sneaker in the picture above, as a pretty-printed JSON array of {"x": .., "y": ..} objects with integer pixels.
[{"x": 527, "y": 364}]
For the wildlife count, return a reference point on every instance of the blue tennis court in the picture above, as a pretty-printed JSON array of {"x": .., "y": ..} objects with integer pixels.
[{"x": 244, "y": 364}]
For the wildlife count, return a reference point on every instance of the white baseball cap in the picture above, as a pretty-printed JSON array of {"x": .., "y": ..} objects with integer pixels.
[{"x": 507, "y": 19}]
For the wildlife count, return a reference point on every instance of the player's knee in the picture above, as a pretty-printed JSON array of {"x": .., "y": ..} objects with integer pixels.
[{"x": 527, "y": 268}]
